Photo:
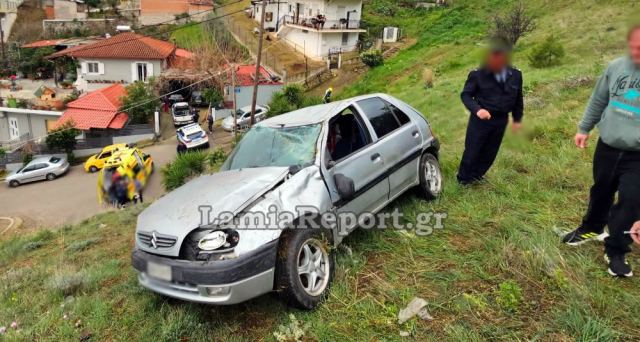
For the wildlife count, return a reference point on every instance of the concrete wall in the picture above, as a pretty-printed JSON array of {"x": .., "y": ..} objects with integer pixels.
[
  {"x": 245, "y": 95},
  {"x": 33, "y": 123},
  {"x": 113, "y": 71},
  {"x": 55, "y": 27},
  {"x": 65, "y": 9}
]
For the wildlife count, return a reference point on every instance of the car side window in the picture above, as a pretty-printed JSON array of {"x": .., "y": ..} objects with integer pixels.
[
  {"x": 105, "y": 155},
  {"x": 400, "y": 115},
  {"x": 380, "y": 116},
  {"x": 29, "y": 168},
  {"x": 41, "y": 166},
  {"x": 347, "y": 135}
]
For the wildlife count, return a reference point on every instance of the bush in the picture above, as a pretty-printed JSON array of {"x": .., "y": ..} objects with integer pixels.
[
  {"x": 546, "y": 54},
  {"x": 186, "y": 165},
  {"x": 509, "y": 296},
  {"x": 27, "y": 158},
  {"x": 212, "y": 96},
  {"x": 63, "y": 138},
  {"x": 290, "y": 98},
  {"x": 217, "y": 157},
  {"x": 372, "y": 58}
]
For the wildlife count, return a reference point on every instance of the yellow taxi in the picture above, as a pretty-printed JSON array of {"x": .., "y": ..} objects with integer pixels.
[
  {"x": 96, "y": 161},
  {"x": 124, "y": 176}
]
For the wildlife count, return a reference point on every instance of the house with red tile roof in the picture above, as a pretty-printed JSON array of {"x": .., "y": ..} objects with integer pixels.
[
  {"x": 98, "y": 115},
  {"x": 122, "y": 59},
  {"x": 245, "y": 80},
  {"x": 98, "y": 109}
]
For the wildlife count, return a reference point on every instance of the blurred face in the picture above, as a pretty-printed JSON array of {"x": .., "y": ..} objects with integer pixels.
[
  {"x": 497, "y": 61},
  {"x": 634, "y": 46}
]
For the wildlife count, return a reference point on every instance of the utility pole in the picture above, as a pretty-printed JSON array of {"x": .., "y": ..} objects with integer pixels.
[
  {"x": 258, "y": 62},
  {"x": 235, "y": 109},
  {"x": 4, "y": 56}
]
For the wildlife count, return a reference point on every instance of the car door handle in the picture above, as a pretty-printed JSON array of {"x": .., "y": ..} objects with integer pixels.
[
  {"x": 416, "y": 134},
  {"x": 375, "y": 157}
]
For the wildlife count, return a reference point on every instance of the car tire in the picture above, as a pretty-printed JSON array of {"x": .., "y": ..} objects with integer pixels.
[
  {"x": 307, "y": 251},
  {"x": 14, "y": 183},
  {"x": 51, "y": 176},
  {"x": 431, "y": 181},
  {"x": 93, "y": 169}
]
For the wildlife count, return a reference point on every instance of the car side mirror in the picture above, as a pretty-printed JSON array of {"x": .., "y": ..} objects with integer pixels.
[{"x": 345, "y": 186}]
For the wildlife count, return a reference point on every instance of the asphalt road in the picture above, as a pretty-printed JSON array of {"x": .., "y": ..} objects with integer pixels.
[{"x": 73, "y": 197}]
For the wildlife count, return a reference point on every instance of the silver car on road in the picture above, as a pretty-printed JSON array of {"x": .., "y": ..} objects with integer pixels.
[
  {"x": 243, "y": 118},
  {"x": 263, "y": 223},
  {"x": 41, "y": 168}
]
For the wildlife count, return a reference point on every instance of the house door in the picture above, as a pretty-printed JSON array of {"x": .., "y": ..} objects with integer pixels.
[{"x": 14, "y": 132}]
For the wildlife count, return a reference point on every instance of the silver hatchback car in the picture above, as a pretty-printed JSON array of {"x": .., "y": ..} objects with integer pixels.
[
  {"x": 262, "y": 223},
  {"x": 41, "y": 168}
]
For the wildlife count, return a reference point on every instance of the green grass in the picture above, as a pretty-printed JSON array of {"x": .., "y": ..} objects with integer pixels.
[
  {"x": 191, "y": 37},
  {"x": 495, "y": 272}
]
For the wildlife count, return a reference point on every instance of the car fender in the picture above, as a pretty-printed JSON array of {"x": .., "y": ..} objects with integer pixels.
[{"x": 302, "y": 194}]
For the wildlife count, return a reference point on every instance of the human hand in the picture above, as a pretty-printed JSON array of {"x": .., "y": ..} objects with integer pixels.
[
  {"x": 635, "y": 232},
  {"x": 581, "y": 140},
  {"x": 484, "y": 114},
  {"x": 516, "y": 127}
]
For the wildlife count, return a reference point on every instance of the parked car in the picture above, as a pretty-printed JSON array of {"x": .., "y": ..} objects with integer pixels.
[
  {"x": 175, "y": 98},
  {"x": 132, "y": 168},
  {"x": 96, "y": 161},
  {"x": 197, "y": 99},
  {"x": 243, "y": 118},
  {"x": 352, "y": 156},
  {"x": 41, "y": 168},
  {"x": 193, "y": 136},
  {"x": 181, "y": 113}
]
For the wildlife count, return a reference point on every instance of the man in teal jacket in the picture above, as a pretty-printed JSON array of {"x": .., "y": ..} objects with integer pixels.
[{"x": 615, "y": 108}]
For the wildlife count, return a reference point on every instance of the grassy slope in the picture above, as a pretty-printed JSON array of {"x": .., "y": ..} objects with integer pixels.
[{"x": 498, "y": 233}]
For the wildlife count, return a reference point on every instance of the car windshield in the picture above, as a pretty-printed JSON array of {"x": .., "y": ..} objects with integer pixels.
[
  {"x": 195, "y": 135},
  {"x": 267, "y": 146},
  {"x": 181, "y": 111}
]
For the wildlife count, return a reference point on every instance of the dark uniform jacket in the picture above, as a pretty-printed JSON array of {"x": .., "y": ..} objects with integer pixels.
[{"x": 483, "y": 91}]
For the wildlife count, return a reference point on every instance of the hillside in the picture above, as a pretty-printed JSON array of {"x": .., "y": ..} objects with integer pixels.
[{"x": 495, "y": 272}]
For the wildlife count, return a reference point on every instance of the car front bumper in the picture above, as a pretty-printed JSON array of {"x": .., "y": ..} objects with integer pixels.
[{"x": 222, "y": 282}]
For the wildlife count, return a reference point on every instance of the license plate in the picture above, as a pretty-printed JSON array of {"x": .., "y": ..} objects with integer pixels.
[{"x": 158, "y": 271}]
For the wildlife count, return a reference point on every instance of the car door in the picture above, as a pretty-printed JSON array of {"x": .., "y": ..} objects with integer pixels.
[
  {"x": 399, "y": 142},
  {"x": 364, "y": 164},
  {"x": 102, "y": 158},
  {"x": 28, "y": 173},
  {"x": 40, "y": 171}
]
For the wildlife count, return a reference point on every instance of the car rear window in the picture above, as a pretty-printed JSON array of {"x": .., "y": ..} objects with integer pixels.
[
  {"x": 54, "y": 160},
  {"x": 381, "y": 118}
]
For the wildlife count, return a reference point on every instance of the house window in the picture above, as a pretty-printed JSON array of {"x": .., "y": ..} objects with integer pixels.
[
  {"x": 268, "y": 17},
  {"x": 141, "y": 69},
  {"x": 93, "y": 68},
  {"x": 345, "y": 38}
]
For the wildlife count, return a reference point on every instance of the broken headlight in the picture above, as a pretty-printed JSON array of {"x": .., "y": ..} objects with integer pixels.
[{"x": 210, "y": 244}]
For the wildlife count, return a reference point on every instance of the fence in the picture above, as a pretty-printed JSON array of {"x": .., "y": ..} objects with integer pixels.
[{"x": 315, "y": 23}]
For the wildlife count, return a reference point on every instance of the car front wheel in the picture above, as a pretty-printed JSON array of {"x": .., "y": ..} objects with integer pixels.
[
  {"x": 431, "y": 183},
  {"x": 14, "y": 183},
  {"x": 51, "y": 176},
  {"x": 304, "y": 268},
  {"x": 93, "y": 169}
]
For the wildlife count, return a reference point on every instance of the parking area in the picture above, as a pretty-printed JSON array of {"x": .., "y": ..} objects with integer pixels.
[{"x": 73, "y": 197}]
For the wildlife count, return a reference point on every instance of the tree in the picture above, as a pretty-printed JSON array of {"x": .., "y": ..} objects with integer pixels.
[
  {"x": 63, "y": 138},
  {"x": 212, "y": 96},
  {"x": 547, "y": 53},
  {"x": 513, "y": 25},
  {"x": 290, "y": 98},
  {"x": 140, "y": 101}
]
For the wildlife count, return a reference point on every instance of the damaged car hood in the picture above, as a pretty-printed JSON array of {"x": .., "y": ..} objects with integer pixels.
[{"x": 177, "y": 213}]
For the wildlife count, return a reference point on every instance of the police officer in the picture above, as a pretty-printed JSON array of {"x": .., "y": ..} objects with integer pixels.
[{"x": 490, "y": 94}]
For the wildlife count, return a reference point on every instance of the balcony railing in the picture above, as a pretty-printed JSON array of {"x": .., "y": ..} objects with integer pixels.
[{"x": 319, "y": 24}]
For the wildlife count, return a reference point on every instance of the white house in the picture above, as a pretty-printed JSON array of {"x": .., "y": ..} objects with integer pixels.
[
  {"x": 315, "y": 27},
  {"x": 123, "y": 58}
]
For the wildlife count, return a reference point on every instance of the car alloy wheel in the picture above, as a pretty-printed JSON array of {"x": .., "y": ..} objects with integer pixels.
[
  {"x": 313, "y": 267},
  {"x": 51, "y": 176},
  {"x": 431, "y": 182},
  {"x": 93, "y": 169},
  {"x": 14, "y": 183}
]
